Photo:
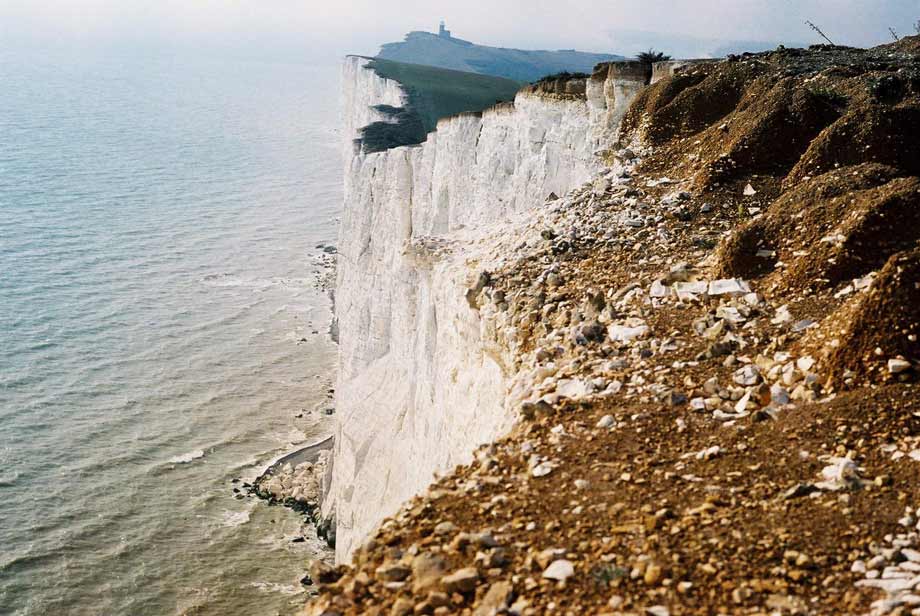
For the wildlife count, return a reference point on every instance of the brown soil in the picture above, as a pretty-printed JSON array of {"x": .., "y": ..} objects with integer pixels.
[
  {"x": 830, "y": 139},
  {"x": 848, "y": 221},
  {"x": 885, "y": 324},
  {"x": 722, "y": 525}
]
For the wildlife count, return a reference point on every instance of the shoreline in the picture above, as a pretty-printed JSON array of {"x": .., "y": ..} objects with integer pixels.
[
  {"x": 299, "y": 479},
  {"x": 299, "y": 456}
]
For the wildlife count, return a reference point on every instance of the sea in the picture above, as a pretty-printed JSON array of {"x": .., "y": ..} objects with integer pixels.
[{"x": 166, "y": 224}]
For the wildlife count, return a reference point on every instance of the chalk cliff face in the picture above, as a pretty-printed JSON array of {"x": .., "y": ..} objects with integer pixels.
[
  {"x": 363, "y": 90},
  {"x": 423, "y": 376}
]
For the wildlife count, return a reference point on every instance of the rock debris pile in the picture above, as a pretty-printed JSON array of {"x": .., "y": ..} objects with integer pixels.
[{"x": 296, "y": 485}]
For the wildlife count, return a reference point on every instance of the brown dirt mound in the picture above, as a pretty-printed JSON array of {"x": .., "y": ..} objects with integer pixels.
[
  {"x": 830, "y": 139},
  {"x": 688, "y": 102},
  {"x": 828, "y": 230},
  {"x": 792, "y": 111},
  {"x": 767, "y": 133},
  {"x": 887, "y": 320},
  {"x": 882, "y": 134}
]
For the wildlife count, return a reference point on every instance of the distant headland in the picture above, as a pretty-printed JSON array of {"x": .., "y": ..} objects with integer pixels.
[{"x": 444, "y": 50}]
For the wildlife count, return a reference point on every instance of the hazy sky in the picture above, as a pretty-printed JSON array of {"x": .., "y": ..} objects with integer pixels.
[{"x": 335, "y": 27}]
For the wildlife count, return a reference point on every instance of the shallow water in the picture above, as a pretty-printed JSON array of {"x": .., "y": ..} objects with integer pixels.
[{"x": 160, "y": 327}]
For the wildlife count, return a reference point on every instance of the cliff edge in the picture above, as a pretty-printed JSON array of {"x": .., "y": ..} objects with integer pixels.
[
  {"x": 681, "y": 320},
  {"x": 423, "y": 379}
]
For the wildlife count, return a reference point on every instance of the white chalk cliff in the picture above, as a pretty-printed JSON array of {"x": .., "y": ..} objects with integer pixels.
[{"x": 423, "y": 376}]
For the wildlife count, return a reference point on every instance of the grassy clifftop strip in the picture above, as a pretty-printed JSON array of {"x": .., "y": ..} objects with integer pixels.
[
  {"x": 434, "y": 93},
  {"x": 517, "y": 64}
]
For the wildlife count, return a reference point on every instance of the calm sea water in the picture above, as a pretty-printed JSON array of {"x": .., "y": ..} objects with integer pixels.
[{"x": 160, "y": 328}]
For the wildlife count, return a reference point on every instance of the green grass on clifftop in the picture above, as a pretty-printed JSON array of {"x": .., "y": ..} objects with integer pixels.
[{"x": 437, "y": 93}]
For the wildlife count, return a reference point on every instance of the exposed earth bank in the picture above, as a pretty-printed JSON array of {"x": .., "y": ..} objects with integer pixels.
[{"x": 722, "y": 326}]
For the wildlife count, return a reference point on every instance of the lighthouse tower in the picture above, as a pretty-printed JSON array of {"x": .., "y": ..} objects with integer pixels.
[{"x": 443, "y": 32}]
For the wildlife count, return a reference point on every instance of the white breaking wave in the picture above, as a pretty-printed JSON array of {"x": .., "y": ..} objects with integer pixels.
[
  {"x": 271, "y": 587},
  {"x": 187, "y": 457},
  {"x": 232, "y": 519}
]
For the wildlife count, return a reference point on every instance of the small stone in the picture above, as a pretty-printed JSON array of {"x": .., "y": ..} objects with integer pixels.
[
  {"x": 709, "y": 453},
  {"x": 729, "y": 286},
  {"x": 799, "y": 490},
  {"x": 392, "y": 572},
  {"x": 624, "y": 333},
  {"x": 675, "y": 398},
  {"x": 652, "y": 574},
  {"x": 321, "y": 573},
  {"x": 437, "y": 599},
  {"x": 496, "y": 599},
  {"x": 778, "y": 394},
  {"x": 747, "y": 375},
  {"x": 427, "y": 570},
  {"x": 892, "y": 585},
  {"x": 786, "y": 604},
  {"x": 658, "y": 289},
  {"x": 742, "y": 404},
  {"x": 911, "y": 555},
  {"x": 657, "y": 610},
  {"x": 605, "y": 422},
  {"x": 876, "y": 562},
  {"x": 782, "y": 316},
  {"x": 559, "y": 570},
  {"x": 483, "y": 540},
  {"x": 573, "y": 388},
  {"x": 749, "y": 191},
  {"x": 634, "y": 223},
  {"x": 402, "y": 607},
  {"x": 521, "y": 604},
  {"x": 688, "y": 291},
  {"x": 897, "y": 366},
  {"x": 461, "y": 581},
  {"x": 542, "y": 469},
  {"x": 497, "y": 558},
  {"x": 445, "y": 528},
  {"x": 841, "y": 473},
  {"x": 592, "y": 332}
]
